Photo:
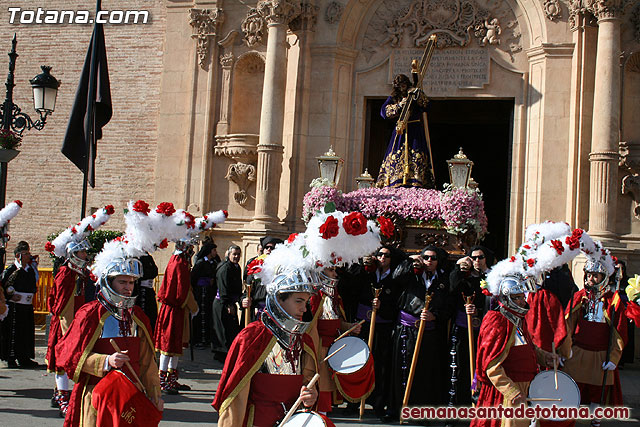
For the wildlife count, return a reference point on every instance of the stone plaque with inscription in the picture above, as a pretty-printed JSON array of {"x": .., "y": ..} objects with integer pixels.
[{"x": 450, "y": 69}]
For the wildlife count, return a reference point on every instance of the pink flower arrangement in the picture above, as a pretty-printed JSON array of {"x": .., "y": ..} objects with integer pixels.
[{"x": 458, "y": 209}]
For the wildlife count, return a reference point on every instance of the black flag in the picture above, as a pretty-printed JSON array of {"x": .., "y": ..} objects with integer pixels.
[{"x": 91, "y": 109}]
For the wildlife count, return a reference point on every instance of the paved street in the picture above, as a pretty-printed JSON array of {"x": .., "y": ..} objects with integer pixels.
[{"x": 25, "y": 394}]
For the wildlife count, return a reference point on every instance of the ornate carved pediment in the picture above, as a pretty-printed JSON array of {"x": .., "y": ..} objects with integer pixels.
[
  {"x": 254, "y": 28},
  {"x": 204, "y": 23},
  {"x": 409, "y": 23}
]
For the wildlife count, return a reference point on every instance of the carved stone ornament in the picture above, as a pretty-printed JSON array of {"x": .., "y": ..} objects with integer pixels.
[
  {"x": 254, "y": 28},
  {"x": 279, "y": 11},
  {"x": 635, "y": 21},
  {"x": 631, "y": 182},
  {"x": 409, "y": 23},
  {"x": 243, "y": 175},
  {"x": 226, "y": 60},
  {"x": 606, "y": 9},
  {"x": 552, "y": 9},
  {"x": 204, "y": 23},
  {"x": 333, "y": 12},
  {"x": 307, "y": 18}
]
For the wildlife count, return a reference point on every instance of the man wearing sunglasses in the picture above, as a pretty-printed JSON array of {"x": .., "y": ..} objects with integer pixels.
[
  {"x": 257, "y": 299},
  {"x": 465, "y": 283}
]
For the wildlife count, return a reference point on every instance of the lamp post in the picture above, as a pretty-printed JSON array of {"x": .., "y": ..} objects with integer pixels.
[
  {"x": 14, "y": 121},
  {"x": 460, "y": 170},
  {"x": 365, "y": 180},
  {"x": 330, "y": 166}
]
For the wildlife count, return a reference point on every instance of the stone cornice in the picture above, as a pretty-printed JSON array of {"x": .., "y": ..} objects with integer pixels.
[{"x": 278, "y": 11}]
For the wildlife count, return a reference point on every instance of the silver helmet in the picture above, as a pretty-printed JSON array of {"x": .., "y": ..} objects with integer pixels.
[
  {"x": 600, "y": 288},
  {"x": 186, "y": 244},
  {"x": 72, "y": 249},
  {"x": 328, "y": 284},
  {"x": 284, "y": 326},
  {"x": 514, "y": 284},
  {"x": 112, "y": 300}
]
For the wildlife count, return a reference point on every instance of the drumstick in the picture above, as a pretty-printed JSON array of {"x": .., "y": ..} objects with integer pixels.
[
  {"x": 333, "y": 354},
  {"x": 543, "y": 399},
  {"x": 372, "y": 328},
  {"x": 299, "y": 400},
  {"x": 555, "y": 363},
  {"x": 135, "y": 376},
  {"x": 348, "y": 331}
]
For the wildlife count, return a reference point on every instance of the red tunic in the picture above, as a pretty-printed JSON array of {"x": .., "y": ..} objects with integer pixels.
[
  {"x": 80, "y": 340},
  {"x": 60, "y": 293},
  {"x": 520, "y": 364},
  {"x": 248, "y": 352},
  {"x": 173, "y": 295},
  {"x": 545, "y": 319}
]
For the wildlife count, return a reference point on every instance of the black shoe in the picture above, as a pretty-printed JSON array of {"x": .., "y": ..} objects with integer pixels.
[
  {"x": 54, "y": 399},
  {"x": 11, "y": 364},
  {"x": 28, "y": 364}
]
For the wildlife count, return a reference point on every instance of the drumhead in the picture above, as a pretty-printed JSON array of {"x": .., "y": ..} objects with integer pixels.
[
  {"x": 543, "y": 385},
  {"x": 305, "y": 419},
  {"x": 351, "y": 358}
]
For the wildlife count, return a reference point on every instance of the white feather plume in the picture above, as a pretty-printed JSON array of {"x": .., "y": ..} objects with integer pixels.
[
  {"x": 9, "y": 212},
  {"x": 80, "y": 231}
]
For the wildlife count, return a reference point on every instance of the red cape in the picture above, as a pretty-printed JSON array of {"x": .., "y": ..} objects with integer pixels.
[
  {"x": 545, "y": 319},
  {"x": 247, "y": 353},
  {"x": 176, "y": 282},
  {"x": 492, "y": 342},
  {"x": 78, "y": 342}
]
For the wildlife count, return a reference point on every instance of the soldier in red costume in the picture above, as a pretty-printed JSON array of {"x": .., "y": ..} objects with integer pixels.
[
  {"x": 271, "y": 360},
  {"x": 589, "y": 316},
  {"x": 86, "y": 353},
  {"x": 172, "y": 326}
]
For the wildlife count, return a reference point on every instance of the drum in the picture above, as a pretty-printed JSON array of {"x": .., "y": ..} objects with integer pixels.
[
  {"x": 308, "y": 419},
  {"x": 543, "y": 385},
  {"x": 351, "y": 358},
  {"x": 353, "y": 366}
]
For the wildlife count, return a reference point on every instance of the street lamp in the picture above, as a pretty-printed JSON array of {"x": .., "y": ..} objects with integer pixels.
[
  {"x": 14, "y": 121},
  {"x": 460, "y": 170},
  {"x": 330, "y": 166},
  {"x": 365, "y": 180}
]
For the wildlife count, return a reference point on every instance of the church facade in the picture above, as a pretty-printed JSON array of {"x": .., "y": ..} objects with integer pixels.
[{"x": 242, "y": 96}]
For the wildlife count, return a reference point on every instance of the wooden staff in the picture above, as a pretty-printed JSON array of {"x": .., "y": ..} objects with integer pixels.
[
  {"x": 414, "y": 360},
  {"x": 469, "y": 300},
  {"x": 372, "y": 328},
  {"x": 311, "y": 384},
  {"x": 612, "y": 330},
  {"x": 555, "y": 363},
  {"x": 135, "y": 376},
  {"x": 247, "y": 310},
  {"x": 348, "y": 331}
]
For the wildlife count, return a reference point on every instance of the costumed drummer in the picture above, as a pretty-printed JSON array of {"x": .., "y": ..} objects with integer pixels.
[
  {"x": 589, "y": 316},
  {"x": 66, "y": 296},
  {"x": 507, "y": 359},
  {"x": 270, "y": 361},
  {"x": 86, "y": 353}
]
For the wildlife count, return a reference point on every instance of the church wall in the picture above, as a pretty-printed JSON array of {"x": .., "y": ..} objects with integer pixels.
[{"x": 47, "y": 182}]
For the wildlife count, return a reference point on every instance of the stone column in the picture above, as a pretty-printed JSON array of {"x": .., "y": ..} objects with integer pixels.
[
  {"x": 604, "y": 155},
  {"x": 277, "y": 14}
]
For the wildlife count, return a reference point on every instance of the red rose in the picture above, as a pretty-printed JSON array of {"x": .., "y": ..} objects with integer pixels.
[
  {"x": 330, "y": 228},
  {"x": 577, "y": 233},
  {"x": 386, "y": 226},
  {"x": 109, "y": 209},
  {"x": 292, "y": 237},
  {"x": 255, "y": 266},
  {"x": 512, "y": 259},
  {"x": 355, "y": 224},
  {"x": 93, "y": 216},
  {"x": 141, "y": 206},
  {"x": 486, "y": 292},
  {"x": 93, "y": 277},
  {"x": 73, "y": 230},
  {"x": 318, "y": 264},
  {"x": 18, "y": 202},
  {"x": 226, "y": 214},
  {"x": 165, "y": 208},
  {"x": 526, "y": 247},
  {"x": 49, "y": 247},
  {"x": 615, "y": 259},
  {"x": 557, "y": 245},
  {"x": 573, "y": 242},
  {"x": 531, "y": 262},
  {"x": 163, "y": 244},
  {"x": 89, "y": 228},
  {"x": 190, "y": 220}
]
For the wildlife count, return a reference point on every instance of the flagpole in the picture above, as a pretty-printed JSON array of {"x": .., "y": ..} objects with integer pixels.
[{"x": 91, "y": 119}]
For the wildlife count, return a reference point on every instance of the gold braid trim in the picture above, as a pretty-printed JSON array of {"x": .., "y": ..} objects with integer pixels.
[
  {"x": 248, "y": 375},
  {"x": 140, "y": 323},
  {"x": 349, "y": 398},
  {"x": 89, "y": 347},
  {"x": 250, "y": 418}
]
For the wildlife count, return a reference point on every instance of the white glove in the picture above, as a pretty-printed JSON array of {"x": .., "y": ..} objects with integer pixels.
[
  {"x": 196, "y": 313},
  {"x": 561, "y": 361},
  {"x": 608, "y": 366}
]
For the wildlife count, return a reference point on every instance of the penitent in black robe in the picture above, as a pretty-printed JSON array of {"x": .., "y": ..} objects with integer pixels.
[
  {"x": 18, "y": 334},
  {"x": 226, "y": 324}
]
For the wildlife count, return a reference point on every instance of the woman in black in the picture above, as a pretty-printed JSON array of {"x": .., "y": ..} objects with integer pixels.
[{"x": 226, "y": 324}]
